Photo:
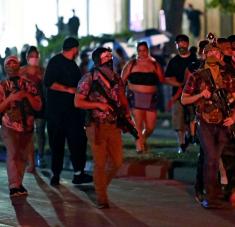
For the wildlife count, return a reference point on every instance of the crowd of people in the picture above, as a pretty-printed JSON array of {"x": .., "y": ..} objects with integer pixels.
[{"x": 81, "y": 105}]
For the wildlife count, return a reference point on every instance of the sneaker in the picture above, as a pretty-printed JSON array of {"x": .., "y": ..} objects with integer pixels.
[
  {"x": 211, "y": 204},
  {"x": 22, "y": 190},
  {"x": 55, "y": 181},
  {"x": 179, "y": 150},
  {"x": 14, "y": 192},
  {"x": 82, "y": 178},
  {"x": 183, "y": 147}
]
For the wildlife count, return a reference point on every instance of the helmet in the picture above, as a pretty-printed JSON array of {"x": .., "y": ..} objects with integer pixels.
[{"x": 210, "y": 47}]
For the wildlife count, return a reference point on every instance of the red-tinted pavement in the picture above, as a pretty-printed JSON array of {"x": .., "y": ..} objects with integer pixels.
[{"x": 134, "y": 202}]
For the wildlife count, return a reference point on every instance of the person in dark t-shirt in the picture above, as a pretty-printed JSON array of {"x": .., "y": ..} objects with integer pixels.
[
  {"x": 175, "y": 76},
  {"x": 64, "y": 121}
]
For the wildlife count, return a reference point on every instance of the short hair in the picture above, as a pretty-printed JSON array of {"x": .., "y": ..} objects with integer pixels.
[
  {"x": 97, "y": 53},
  {"x": 202, "y": 45},
  {"x": 193, "y": 49},
  {"x": 31, "y": 49},
  {"x": 222, "y": 40},
  {"x": 223, "y": 43},
  {"x": 142, "y": 43},
  {"x": 182, "y": 37},
  {"x": 231, "y": 38},
  {"x": 69, "y": 43}
]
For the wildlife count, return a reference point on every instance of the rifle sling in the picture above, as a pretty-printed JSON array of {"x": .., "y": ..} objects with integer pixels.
[{"x": 101, "y": 90}]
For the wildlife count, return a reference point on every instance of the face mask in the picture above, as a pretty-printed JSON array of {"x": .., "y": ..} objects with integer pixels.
[
  {"x": 227, "y": 59},
  {"x": 10, "y": 70},
  {"x": 33, "y": 61},
  {"x": 183, "y": 50},
  {"x": 109, "y": 64},
  {"x": 212, "y": 60}
]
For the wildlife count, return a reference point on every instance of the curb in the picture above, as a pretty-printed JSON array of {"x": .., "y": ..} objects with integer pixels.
[{"x": 150, "y": 169}]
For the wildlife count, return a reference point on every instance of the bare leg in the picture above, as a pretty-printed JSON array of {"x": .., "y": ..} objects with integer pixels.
[
  {"x": 192, "y": 128},
  {"x": 31, "y": 159},
  {"x": 181, "y": 136},
  {"x": 150, "y": 123},
  {"x": 223, "y": 175},
  {"x": 139, "y": 116}
]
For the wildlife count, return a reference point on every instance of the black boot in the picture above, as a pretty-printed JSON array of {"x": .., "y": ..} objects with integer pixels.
[{"x": 82, "y": 178}]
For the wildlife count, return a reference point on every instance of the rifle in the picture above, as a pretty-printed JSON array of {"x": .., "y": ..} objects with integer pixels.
[
  {"x": 220, "y": 96},
  {"x": 122, "y": 121},
  {"x": 21, "y": 104}
]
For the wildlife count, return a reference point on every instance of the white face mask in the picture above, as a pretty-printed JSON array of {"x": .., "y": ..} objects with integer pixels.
[{"x": 33, "y": 61}]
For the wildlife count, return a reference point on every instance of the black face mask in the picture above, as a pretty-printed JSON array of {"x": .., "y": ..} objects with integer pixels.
[
  {"x": 109, "y": 64},
  {"x": 227, "y": 59},
  {"x": 183, "y": 50}
]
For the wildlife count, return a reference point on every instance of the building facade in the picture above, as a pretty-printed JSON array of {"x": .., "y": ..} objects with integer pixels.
[{"x": 18, "y": 18}]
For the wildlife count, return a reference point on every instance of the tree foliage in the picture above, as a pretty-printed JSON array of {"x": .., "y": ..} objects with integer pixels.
[
  {"x": 54, "y": 43},
  {"x": 224, "y": 5}
]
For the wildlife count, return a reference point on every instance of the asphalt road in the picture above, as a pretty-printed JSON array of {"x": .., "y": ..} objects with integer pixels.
[{"x": 134, "y": 202}]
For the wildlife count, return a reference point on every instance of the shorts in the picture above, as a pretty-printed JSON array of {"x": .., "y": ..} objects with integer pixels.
[{"x": 178, "y": 119}]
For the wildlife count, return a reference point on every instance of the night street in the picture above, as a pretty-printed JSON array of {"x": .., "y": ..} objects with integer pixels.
[{"x": 134, "y": 202}]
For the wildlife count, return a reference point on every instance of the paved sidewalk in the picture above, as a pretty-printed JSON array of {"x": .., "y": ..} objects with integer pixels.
[{"x": 134, "y": 202}]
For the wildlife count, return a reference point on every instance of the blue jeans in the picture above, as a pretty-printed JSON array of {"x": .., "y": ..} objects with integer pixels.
[{"x": 213, "y": 138}]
